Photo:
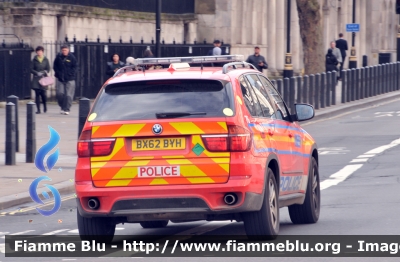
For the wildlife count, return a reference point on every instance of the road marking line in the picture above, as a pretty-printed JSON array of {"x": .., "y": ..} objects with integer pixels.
[
  {"x": 3, "y": 248},
  {"x": 54, "y": 232},
  {"x": 204, "y": 228},
  {"x": 348, "y": 170},
  {"x": 359, "y": 160},
  {"x": 365, "y": 156},
  {"x": 75, "y": 231},
  {"x": 36, "y": 206},
  {"x": 18, "y": 233}
]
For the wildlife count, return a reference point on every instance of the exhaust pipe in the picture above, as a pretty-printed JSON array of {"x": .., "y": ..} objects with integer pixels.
[
  {"x": 93, "y": 203},
  {"x": 230, "y": 199}
]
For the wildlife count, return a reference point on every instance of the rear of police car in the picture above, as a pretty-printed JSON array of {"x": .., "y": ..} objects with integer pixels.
[{"x": 157, "y": 145}]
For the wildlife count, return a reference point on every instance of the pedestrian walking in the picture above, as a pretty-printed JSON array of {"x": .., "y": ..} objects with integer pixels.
[
  {"x": 40, "y": 67},
  {"x": 65, "y": 67},
  {"x": 114, "y": 65},
  {"x": 257, "y": 60},
  {"x": 331, "y": 61},
  {"x": 341, "y": 43}
]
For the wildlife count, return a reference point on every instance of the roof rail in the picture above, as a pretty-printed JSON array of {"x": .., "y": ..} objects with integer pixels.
[
  {"x": 234, "y": 65},
  {"x": 127, "y": 68}
]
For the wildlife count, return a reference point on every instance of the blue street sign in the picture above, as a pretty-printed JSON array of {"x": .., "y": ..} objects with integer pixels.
[{"x": 353, "y": 28}]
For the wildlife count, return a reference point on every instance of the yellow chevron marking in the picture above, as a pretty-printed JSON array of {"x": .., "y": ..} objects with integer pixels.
[
  {"x": 158, "y": 181},
  {"x": 179, "y": 162},
  {"x": 119, "y": 143},
  {"x": 223, "y": 125},
  {"x": 202, "y": 180},
  {"x": 225, "y": 167},
  {"x": 169, "y": 157},
  {"x": 187, "y": 128},
  {"x": 114, "y": 183},
  {"x": 94, "y": 129},
  {"x": 97, "y": 164},
  {"x": 128, "y": 130},
  {"x": 137, "y": 163},
  {"x": 125, "y": 173},
  {"x": 94, "y": 171},
  {"x": 192, "y": 171}
]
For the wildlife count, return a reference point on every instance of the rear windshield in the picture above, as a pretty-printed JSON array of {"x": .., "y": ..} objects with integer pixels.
[{"x": 144, "y": 99}]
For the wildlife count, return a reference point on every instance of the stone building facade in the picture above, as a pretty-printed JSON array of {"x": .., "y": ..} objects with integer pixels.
[{"x": 241, "y": 23}]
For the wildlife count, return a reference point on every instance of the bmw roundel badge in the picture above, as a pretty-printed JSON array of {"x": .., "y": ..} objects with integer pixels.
[{"x": 157, "y": 129}]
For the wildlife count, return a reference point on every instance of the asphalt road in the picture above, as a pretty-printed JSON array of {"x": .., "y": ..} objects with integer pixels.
[{"x": 361, "y": 196}]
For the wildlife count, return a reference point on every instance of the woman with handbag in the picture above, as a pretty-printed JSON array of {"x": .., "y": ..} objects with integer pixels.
[{"x": 40, "y": 66}]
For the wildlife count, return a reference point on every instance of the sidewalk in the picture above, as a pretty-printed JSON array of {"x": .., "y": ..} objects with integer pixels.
[{"x": 15, "y": 180}]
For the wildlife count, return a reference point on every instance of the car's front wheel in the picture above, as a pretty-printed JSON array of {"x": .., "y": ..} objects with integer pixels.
[
  {"x": 96, "y": 228},
  {"x": 308, "y": 212},
  {"x": 154, "y": 224},
  {"x": 264, "y": 224}
]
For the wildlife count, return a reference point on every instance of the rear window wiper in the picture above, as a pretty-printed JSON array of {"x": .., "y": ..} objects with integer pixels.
[{"x": 178, "y": 114}]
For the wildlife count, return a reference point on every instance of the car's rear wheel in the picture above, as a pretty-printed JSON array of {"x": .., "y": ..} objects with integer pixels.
[
  {"x": 308, "y": 212},
  {"x": 264, "y": 224},
  {"x": 154, "y": 224},
  {"x": 96, "y": 228}
]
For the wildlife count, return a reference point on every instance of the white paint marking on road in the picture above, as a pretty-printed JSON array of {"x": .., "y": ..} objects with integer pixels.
[
  {"x": 3, "y": 248},
  {"x": 359, "y": 160},
  {"x": 365, "y": 156},
  {"x": 75, "y": 231},
  {"x": 339, "y": 176},
  {"x": 204, "y": 228},
  {"x": 119, "y": 228},
  {"x": 68, "y": 259},
  {"x": 55, "y": 232},
  {"x": 348, "y": 170},
  {"x": 18, "y": 233}
]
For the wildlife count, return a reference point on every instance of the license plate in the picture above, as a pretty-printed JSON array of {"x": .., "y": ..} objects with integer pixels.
[
  {"x": 158, "y": 144},
  {"x": 158, "y": 171}
]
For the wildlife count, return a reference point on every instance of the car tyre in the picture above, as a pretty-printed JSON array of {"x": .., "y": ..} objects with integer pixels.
[
  {"x": 96, "y": 228},
  {"x": 154, "y": 224},
  {"x": 308, "y": 212},
  {"x": 264, "y": 224}
]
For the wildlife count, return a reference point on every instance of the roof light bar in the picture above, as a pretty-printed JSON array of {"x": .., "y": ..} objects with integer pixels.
[{"x": 189, "y": 60}]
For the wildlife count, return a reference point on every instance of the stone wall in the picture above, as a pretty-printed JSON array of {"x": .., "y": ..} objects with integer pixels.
[{"x": 39, "y": 22}]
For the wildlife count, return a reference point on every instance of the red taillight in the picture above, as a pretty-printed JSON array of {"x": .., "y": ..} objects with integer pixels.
[
  {"x": 96, "y": 147},
  {"x": 237, "y": 140}
]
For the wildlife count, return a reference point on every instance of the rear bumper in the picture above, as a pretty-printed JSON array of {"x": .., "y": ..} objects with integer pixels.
[{"x": 169, "y": 202}]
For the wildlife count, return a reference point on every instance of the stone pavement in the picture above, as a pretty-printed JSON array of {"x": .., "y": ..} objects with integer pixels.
[{"x": 15, "y": 180}]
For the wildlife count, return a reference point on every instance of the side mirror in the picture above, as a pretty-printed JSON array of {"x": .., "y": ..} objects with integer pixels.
[{"x": 304, "y": 112}]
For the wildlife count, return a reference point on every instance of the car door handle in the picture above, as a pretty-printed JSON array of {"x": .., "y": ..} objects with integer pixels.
[
  {"x": 290, "y": 135},
  {"x": 270, "y": 132}
]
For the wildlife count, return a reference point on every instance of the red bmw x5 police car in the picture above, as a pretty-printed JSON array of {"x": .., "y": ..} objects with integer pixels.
[{"x": 194, "y": 143}]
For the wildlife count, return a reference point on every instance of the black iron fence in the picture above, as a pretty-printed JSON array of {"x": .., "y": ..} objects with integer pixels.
[
  {"x": 14, "y": 71},
  {"x": 321, "y": 90},
  {"x": 167, "y": 6},
  {"x": 92, "y": 60}
]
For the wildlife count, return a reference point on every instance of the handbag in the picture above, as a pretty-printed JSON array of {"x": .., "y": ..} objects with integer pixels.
[{"x": 46, "y": 81}]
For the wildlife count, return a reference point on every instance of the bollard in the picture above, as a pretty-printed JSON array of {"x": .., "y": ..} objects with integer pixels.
[
  {"x": 344, "y": 84},
  {"x": 353, "y": 85},
  {"x": 384, "y": 79},
  {"x": 279, "y": 84},
  {"x": 362, "y": 83},
  {"x": 322, "y": 90},
  {"x": 15, "y": 100},
  {"x": 329, "y": 88},
  {"x": 317, "y": 90},
  {"x": 311, "y": 90},
  {"x": 398, "y": 76},
  {"x": 357, "y": 84},
  {"x": 10, "y": 134},
  {"x": 374, "y": 79},
  {"x": 30, "y": 132},
  {"x": 378, "y": 80},
  {"x": 349, "y": 84},
  {"x": 305, "y": 89},
  {"x": 299, "y": 89},
  {"x": 84, "y": 109},
  {"x": 286, "y": 88},
  {"x": 333, "y": 86},
  {"x": 392, "y": 77},
  {"x": 367, "y": 82},
  {"x": 292, "y": 94}
]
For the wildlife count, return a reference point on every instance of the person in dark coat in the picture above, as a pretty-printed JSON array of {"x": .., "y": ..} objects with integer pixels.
[
  {"x": 40, "y": 66},
  {"x": 341, "y": 43},
  {"x": 114, "y": 65},
  {"x": 257, "y": 60},
  {"x": 331, "y": 61},
  {"x": 65, "y": 67}
]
